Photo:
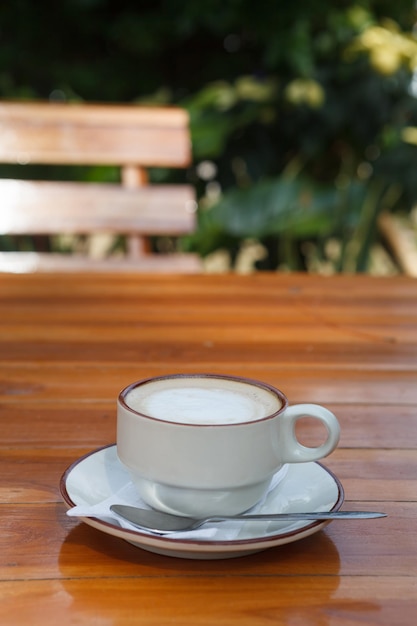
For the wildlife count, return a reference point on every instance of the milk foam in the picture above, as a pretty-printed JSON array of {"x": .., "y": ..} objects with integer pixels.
[{"x": 203, "y": 401}]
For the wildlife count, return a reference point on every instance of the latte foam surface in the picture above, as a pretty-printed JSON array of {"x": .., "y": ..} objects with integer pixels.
[{"x": 203, "y": 401}]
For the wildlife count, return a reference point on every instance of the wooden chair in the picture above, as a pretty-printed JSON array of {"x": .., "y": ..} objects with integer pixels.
[
  {"x": 400, "y": 233},
  {"x": 133, "y": 138}
]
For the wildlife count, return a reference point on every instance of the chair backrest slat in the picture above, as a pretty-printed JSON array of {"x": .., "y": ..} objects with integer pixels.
[
  {"x": 93, "y": 134},
  {"x": 132, "y": 138},
  {"x": 43, "y": 207}
]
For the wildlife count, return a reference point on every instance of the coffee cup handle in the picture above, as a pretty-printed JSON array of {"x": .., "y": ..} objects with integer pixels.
[{"x": 295, "y": 452}]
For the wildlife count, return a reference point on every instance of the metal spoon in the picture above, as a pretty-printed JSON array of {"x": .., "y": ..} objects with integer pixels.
[{"x": 161, "y": 523}]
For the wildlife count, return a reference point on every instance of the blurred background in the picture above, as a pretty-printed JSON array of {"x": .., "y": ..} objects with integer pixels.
[{"x": 303, "y": 113}]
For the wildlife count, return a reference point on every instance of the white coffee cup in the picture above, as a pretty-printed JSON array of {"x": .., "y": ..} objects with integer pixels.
[{"x": 205, "y": 444}]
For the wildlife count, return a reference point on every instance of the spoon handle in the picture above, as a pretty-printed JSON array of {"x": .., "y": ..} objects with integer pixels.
[{"x": 297, "y": 516}]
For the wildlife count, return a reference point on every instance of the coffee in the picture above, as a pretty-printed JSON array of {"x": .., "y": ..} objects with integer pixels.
[{"x": 203, "y": 400}]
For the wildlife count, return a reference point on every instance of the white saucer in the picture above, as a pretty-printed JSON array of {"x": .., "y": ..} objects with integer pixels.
[{"x": 306, "y": 487}]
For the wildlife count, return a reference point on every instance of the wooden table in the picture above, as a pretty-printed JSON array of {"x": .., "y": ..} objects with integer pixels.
[{"x": 69, "y": 344}]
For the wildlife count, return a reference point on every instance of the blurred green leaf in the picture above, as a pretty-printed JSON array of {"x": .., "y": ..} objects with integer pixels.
[{"x": 275, "y": 207}]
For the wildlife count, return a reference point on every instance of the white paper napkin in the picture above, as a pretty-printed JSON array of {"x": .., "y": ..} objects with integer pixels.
[{"x": 129, "y": 495}]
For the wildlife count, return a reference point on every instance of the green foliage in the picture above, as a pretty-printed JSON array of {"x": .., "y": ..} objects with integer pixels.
[
  {"x": 303, "y": 113},
  {"x": 338, "y": 106}
]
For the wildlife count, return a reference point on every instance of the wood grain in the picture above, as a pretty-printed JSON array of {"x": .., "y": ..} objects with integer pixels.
[
  {"x": 67, "y": 347},
  {"x": 71, "y": 549},
  {"x": 203, "y": 601}
]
